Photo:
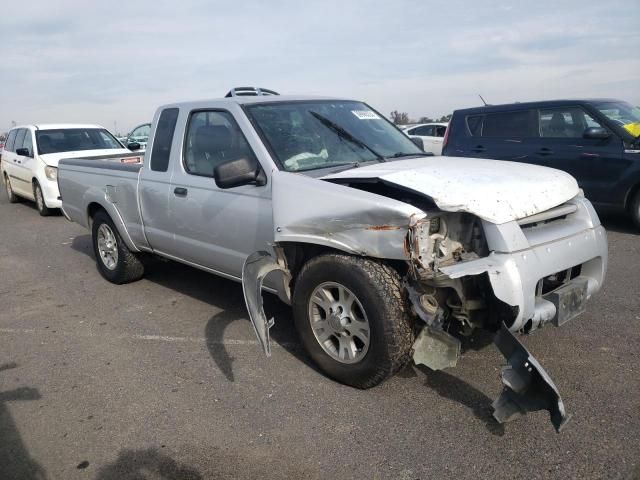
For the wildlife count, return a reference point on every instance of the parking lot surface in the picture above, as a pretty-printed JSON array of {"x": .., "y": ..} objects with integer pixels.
[{"x": 163, "y": 378}]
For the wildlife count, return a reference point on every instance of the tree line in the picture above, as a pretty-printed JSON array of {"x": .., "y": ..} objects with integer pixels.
[{"x": 402, "y": 118}]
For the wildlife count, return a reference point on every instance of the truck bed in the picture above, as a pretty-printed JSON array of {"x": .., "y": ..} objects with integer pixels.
[{"x": 88, "y": 184}]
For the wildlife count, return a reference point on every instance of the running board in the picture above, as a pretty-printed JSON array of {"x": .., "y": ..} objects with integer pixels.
[{"x": 527, "y": 386}]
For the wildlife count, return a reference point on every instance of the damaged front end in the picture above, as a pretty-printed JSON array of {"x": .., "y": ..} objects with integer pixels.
[
  {"x": 461, "y": 304},
  {"x": 453, "y": 281}
]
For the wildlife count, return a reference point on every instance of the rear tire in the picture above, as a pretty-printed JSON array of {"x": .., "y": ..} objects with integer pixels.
[
  {"x": 379, "y": 301},
  {"x": 43, "y": 210},
  {"x": 115, "y": 261},
  {"x": 13, "y": 198},
  {"x": 634, "y": 209}
]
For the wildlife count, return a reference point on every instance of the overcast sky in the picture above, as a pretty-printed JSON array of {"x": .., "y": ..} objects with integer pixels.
[{"x": 106, "y": 61}]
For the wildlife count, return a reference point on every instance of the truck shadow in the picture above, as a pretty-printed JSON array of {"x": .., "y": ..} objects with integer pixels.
[
  {"x": 453, "y": 388},
  {"x": 225, "y": 295},
  {"x": 148, "y": 463},
  {"x": 15, "y": 461}
]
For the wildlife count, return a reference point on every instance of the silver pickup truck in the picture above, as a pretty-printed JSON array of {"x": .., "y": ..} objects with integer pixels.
[{"x": 385, "y": 254}]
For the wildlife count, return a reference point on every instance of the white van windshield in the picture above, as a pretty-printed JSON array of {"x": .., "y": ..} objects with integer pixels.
[{"x": 75, "y": 139}]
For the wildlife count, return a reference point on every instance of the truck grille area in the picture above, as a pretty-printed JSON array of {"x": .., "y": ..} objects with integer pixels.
[
  {"x": 557, "y": 213},
  {"x": 556, "y": 280}
]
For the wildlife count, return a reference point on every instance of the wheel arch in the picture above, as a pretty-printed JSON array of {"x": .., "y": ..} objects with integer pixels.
[
  {"x": 94, "y": 207},
  {"x": 299, "y": 253}
]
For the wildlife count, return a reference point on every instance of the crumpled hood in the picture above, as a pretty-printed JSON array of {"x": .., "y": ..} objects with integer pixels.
[
  {"x": 52, "y": 159},
  {"x": 496, "y": 191}
]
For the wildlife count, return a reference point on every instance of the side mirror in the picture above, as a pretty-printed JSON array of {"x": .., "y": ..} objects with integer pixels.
[
  {"x": 596, "y": 133},
  {"x": 23, "y": 152},
  {"x": 133, "y": 146},
  {"x": 235, "y": 173},
  {"x": 418, "y": 141}
]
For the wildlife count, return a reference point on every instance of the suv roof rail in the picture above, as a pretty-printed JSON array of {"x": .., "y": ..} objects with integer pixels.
[{"x": 249, "y": 92}]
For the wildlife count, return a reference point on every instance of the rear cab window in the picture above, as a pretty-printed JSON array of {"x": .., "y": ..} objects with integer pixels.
[{"x": 162, "y": 139}]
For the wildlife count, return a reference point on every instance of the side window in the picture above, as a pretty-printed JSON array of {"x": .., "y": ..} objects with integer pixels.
[
  {"x": 28, "y": 142},
  {"x": 440, "y": 131},
  {"x": 411, "y": 131},
  {"x": 424, "y": 131},
  {"x": 508, "y": 124},
  {"x": 162, "y": 140},
  {"x": 474, "y": 124},
  {"x": 566, "y": 122},
  {"x": 8, "y": 146},
  {"x": 19, "y": 138},
  {"x": 213, "y": 138}
]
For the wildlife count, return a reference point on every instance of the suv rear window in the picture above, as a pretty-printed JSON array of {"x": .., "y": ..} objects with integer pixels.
[
  {"x": 502, "y": 124},
  {"x": 507, "y": 124}
]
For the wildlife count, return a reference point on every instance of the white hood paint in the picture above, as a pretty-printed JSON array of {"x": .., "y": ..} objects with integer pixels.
[
  {"x": 52, "y": 159},
  {"x": 496, "y": 191}
]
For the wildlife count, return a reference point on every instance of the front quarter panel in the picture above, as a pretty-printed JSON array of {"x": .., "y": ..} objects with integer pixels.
[{"x": 309, "y": 210}]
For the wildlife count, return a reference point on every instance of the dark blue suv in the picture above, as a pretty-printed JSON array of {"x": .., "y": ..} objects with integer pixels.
[{"x": 597, "y": 141}]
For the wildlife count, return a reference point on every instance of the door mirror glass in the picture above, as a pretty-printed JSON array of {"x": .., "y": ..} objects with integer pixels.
[
  {"x": 235, "y": 173},
  {"x": 596, "y": 133},
  {"x": 133, "y": 146},
  {"x": 418, "y": 141},
  {"x": 23, "y": 152}
]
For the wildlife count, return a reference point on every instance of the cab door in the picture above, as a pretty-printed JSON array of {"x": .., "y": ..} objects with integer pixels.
[
  {"x": 155, "y": 182},
  {"x": 217, "y": 228}
]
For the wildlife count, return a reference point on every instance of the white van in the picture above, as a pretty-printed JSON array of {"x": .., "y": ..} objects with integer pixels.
[{"x": 29, "y": 165}]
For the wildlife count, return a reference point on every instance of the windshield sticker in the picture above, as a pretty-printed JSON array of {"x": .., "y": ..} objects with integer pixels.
[{"x": 365, "y": 114}]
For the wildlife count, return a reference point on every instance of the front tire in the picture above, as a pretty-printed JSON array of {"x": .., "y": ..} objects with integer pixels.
[
  {"x": 13, "y": 198},
  {"x": 115, "y": 261},
  {"x": 43, "y": 210},
  {"x": 353, "y": 318}
]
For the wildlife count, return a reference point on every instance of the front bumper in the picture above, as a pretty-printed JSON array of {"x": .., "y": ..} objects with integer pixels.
[
  {"x": 514, "y": 276},
  {"x": 50, "y": 192}
]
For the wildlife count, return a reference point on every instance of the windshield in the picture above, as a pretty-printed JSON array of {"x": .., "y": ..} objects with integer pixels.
[
  {"x": 74, "y": 139},
  {"x": 623, "y": 114},
  {"x": 321, "y": 134}
]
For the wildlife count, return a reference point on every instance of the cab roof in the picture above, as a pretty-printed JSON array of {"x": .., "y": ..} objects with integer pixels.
[{"x": 247, "y": 100}]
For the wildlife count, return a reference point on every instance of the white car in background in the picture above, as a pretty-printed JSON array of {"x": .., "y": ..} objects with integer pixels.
[
  {"x": 29, "y": 165},
  {"x": 432, "y": 135}
]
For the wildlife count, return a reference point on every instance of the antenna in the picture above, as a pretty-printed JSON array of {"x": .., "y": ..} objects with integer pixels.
[{"x": 485, "y": 103}]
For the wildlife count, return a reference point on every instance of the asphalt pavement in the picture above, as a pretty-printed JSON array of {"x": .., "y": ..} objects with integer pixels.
[{"x": 164, "y": 379}]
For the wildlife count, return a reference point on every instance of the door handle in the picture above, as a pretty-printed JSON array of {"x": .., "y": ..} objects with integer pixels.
[
  {"x": 180, "y": 191},
  {"x": 544, "y": 151},
  {"x": 478, "y": 149}
]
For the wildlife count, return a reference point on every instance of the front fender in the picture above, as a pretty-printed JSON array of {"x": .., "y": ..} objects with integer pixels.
[{"x": 256, "y": 268}]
